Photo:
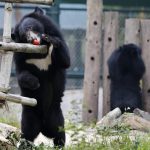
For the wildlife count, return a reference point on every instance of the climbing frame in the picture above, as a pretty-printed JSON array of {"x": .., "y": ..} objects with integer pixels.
[{"x": 7, "y": 48}]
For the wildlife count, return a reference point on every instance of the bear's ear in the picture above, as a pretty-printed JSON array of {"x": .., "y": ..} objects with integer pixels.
[{"x": 38, "y": 11}]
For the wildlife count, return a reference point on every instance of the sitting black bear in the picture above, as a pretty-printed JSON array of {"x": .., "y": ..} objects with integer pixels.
[
  {"x": 126, "y": 68},
  {"x": 42, "y": 76}
]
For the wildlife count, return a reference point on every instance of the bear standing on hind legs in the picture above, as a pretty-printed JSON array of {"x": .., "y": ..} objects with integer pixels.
[
  {"x": 42, "y": 76},
  {"x": 126, "y": 69}
]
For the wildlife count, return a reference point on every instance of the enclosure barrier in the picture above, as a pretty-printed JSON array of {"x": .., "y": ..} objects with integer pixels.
[
  {"x": 145, "y": 44},
  {"x": 111, "y": 27},
  {"x": 137, "y": 31},
  {"x": 6, "y": 57}
]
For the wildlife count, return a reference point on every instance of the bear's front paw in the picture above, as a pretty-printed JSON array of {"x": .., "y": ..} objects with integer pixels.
[
  {"x": 28, "y": 81},
  {"x": 51, "y": 40}
]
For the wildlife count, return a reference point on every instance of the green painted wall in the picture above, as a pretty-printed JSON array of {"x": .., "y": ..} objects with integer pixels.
[{"x": 137, "y": 3}]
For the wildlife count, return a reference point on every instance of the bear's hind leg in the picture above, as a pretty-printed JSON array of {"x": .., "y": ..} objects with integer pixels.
[
  {"x": 59, "y": 139},
  {"x": 54, "y": 127},
  {"x": 30, "y": 125}
]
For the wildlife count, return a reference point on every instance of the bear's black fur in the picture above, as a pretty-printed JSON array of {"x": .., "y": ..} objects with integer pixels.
[
  {"x": 126, "y": 68},
  {"x": 42, "y": 76}
]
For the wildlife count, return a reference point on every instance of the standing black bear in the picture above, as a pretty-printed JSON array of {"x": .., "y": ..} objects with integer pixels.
[
  {"x": 42, "y": 76},
  {"x": 126, "y": 68}
]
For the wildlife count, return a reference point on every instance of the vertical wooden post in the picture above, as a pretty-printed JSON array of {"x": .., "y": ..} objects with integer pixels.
[
  {"x": 145, "y": 40},
  {"x": 138, "y": 32},
  {"x": 6, "y": 62},
  {"x": 132, "y": 31},
  {"x": 92, "y": 61},
  {"x": 111, "y": 24}
]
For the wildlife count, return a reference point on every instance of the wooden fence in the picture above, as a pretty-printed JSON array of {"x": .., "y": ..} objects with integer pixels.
[{"x": 137, "y": 31}]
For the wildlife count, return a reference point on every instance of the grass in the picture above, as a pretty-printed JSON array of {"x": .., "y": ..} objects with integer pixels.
[
  {"x": 91, "y": 137},
  {"x": 123, "y": 142},
  {"x": 116, "y": 138},
  {"x": 11, "y": 122},
  {"x": 95, "y": 138}
]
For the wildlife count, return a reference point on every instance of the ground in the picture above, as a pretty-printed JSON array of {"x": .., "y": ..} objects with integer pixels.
[{"x": 76, "y": 132}]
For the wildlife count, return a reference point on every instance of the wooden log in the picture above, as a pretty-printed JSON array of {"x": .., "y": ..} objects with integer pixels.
[
  {"x": 142, "y": 114},
  {"x": 132, "y": 31},
  {"x": 111, "y": 28},
  {"x": 6, "y": 60},
  {"x": 23, "y": 47},
  {"x": 18, "y": 99},
  {"x": 135, "y": 122},
  {"x": 110, "y": 119},
  {"x": 44, "y": 2},
  {"x": 92, "y": 61},
  {"x": 145, "y": 39}
]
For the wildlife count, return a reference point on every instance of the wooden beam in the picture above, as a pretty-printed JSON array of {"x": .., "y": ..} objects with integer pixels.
[
  {"x": 111, "y": 27},
  {"x": 22, "y": 47},
  {"x": 6, "y": 60},
  {"x": 145, "y": 40},
  {"x": 138, "y": 32},
  {"x": 132, "y": 31},
  {"x": 44, "y": 2},
  {"x": 92, "y": 61},
  {"x": 18, "y": 99}
]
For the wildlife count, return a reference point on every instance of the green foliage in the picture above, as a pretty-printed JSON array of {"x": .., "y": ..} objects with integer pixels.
[
  {"x": 90, "y": 137},
  {"x": 116, "y": 138},
  {"x": 11, "y": 122}
]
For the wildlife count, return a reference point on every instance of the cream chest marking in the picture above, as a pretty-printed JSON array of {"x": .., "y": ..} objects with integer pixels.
[{"x": 42, "y": 63}]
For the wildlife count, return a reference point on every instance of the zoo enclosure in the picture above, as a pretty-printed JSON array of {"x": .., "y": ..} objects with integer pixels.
[
  {"x": 75, "y": 37},
  {"x": 75, "y": 34}
]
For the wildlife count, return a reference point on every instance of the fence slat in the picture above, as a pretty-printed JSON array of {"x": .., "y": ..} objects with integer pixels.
[
  {"x": 44, "y": 2},
  {"x": 110, "y": 43},
  {"x": 138, "y": 32},
  {"x": 132, "y": 31},
  {"x": 92, "y": 61},
  {"x": 145, "y": 39},
  {"x": 6, "y": 60}
]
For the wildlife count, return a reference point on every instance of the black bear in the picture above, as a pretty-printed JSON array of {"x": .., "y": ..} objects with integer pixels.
[
  {"x": 42, "y": 76},
  {"x": 126, "y": 68}
]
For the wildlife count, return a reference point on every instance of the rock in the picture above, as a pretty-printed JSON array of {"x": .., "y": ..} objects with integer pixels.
[
  {"x": 111, "y": 118},
  {"x": 5, "y": 144},
  {"x": 142, "y": 114},
  {"x": 6, "y": 130},
  {"x": 9, "y": 136},
  {"x": 134, "y": 122}
]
